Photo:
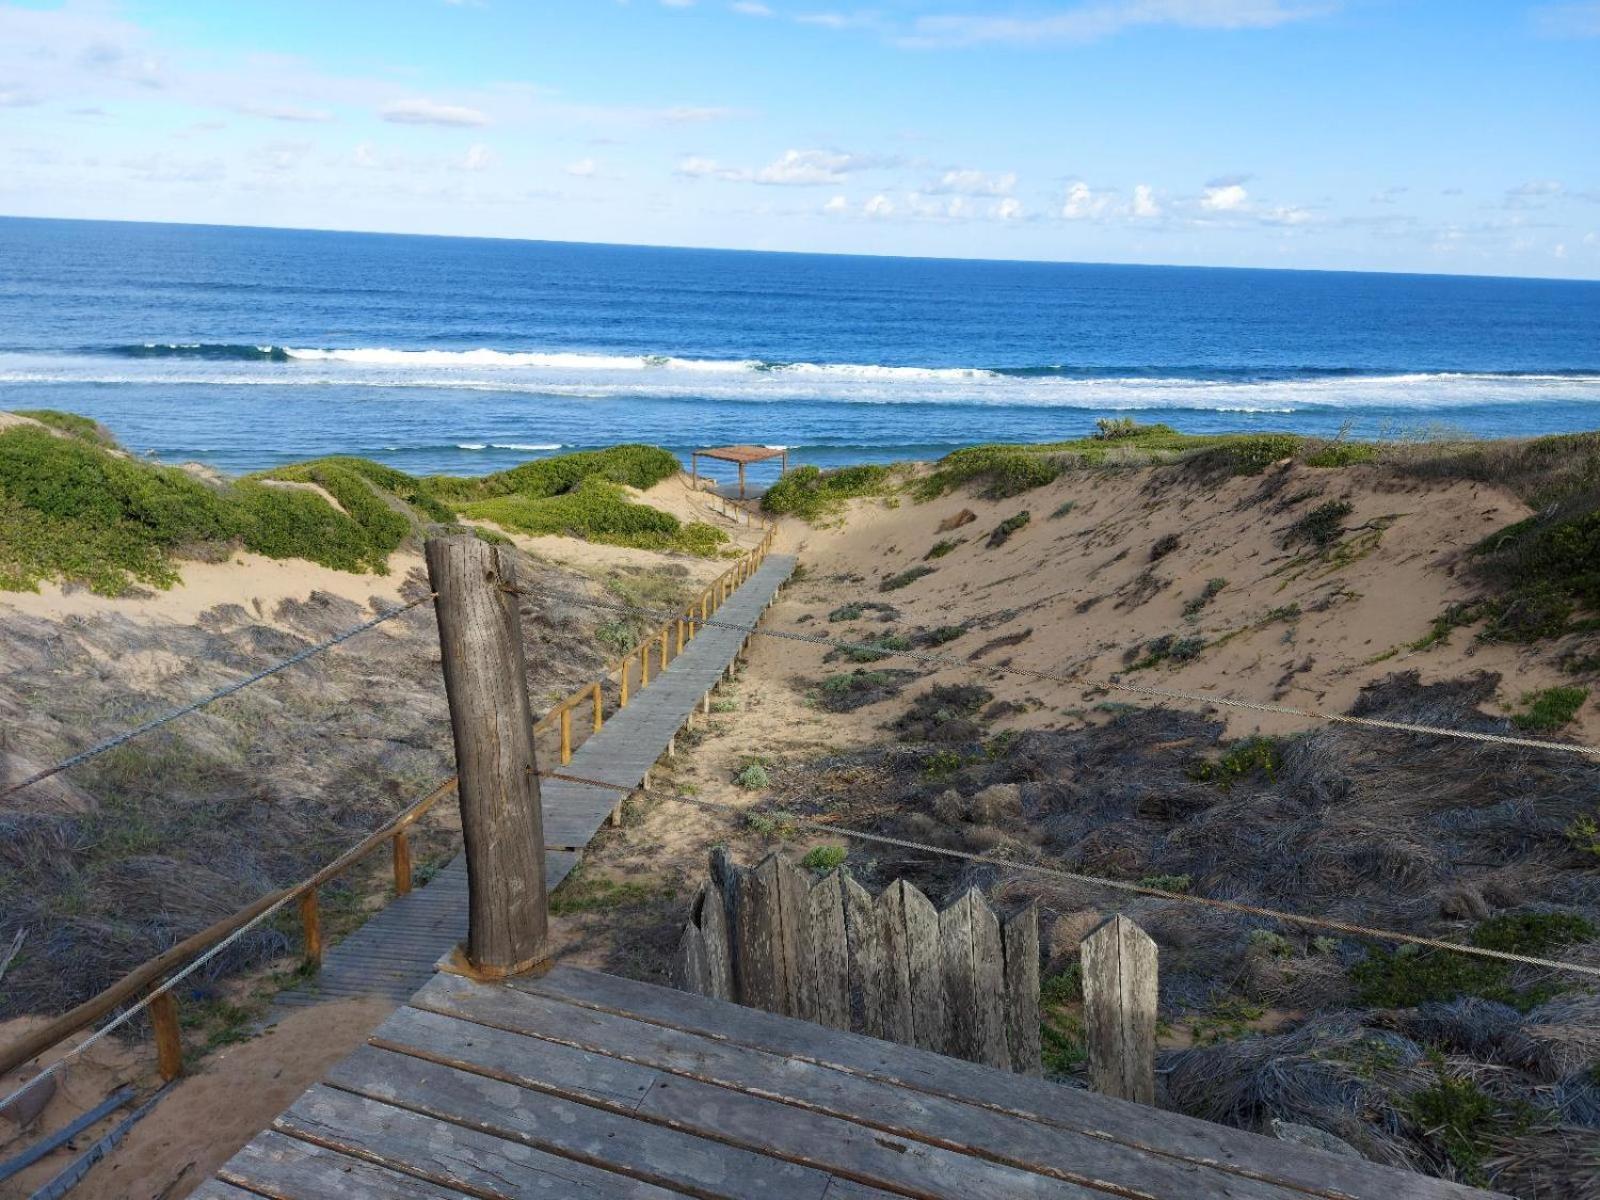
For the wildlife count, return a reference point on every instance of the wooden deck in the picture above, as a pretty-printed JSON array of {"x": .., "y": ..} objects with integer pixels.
[
  {"x": 394, "y": 953},
  {"x": 577, "y": 1084}
]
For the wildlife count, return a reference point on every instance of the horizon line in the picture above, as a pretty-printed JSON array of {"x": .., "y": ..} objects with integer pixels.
[{"x": 478, "y": 237}]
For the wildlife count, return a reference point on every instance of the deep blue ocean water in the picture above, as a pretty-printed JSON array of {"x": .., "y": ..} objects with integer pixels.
[{"x": 244, "y": 348}]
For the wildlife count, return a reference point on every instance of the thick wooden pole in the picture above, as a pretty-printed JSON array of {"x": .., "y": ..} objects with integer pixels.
[
  {"x": 402, "y": 863},
  {"x": 311, "y": 924},
  {"x": 1119, "y": 1010},
  {"x": 599, "y": 708},
  {"x": 169, "y": 1037},
  {"x": 480, "y": 642},
  {"x": 566, "y": 736}
]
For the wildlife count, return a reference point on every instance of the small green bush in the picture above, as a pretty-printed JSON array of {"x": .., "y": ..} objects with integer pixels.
[
  {"x": 1167, "y": 883},
  {"x": 1243, "y": 759},
  {"x": 1169, "y": 647},
  {"x": 598, "y": 511},
  {"x": 85, "y": 428},
  {"x": 943, "y": 634},
  {"x": 1003, "y": 531},
  {"x": 1063, "y": 509},
  {"x": 1548, "y": 710},
  {"x": 943, "y": 547},
  {"x": 876, "y": 648},
  {"x": 1322, "y": 526},
  {"x": 637, "y": 466},
  {"x": 904, "y": 579},
  {"x": 1108, "y": 429},
  {"x": 1341, "y": 454},
  {"x": 1465, "y": 1122},
  {"x": 811, "y": 493},
  {"x": 825, "y": 858},
  {"x": 753, "y": 777},
  {"x": 1207, "y": 595}
]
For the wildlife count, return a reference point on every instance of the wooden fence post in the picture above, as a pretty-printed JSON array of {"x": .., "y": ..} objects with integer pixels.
[
  {"x": 169, "y": 1037},
  {"x": 402, "y": 863},
  {"x": 480, "y": 642},
  {"x": 311, "y": 923},
  {"x": 1119, "y": 1010},
  {"x": 622, "y": 697},
  {"x": 566, "y": 736},
  {"x": 599, "y": 708}
]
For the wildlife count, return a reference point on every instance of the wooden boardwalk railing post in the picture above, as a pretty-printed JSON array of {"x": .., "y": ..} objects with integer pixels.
[
  {"x": 566, "y": 735},
  {"x": 311, "y": 924},
  {"x": 402, "y": 863},
  {"x": 480, "y": 642},
  {"x": 1119, "y": 1010},
  {"x": 599, "y": 708},
  {"x": 169, "y": 1035}
]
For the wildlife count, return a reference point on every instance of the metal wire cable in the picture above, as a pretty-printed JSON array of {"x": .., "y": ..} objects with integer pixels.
[
  {"x": 221, "y": 693},
  {"x": 1113, "y": 685},
  {"x": 1234, "y": 906}
]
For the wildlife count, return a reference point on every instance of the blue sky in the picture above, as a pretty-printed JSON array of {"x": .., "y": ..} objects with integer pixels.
[{"x": 1357, "y": 134}]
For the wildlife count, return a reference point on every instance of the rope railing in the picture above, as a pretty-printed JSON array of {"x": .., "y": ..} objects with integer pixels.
[
  {"x": 1101, "y": 881},
  {"x": 147, "y": 981}
]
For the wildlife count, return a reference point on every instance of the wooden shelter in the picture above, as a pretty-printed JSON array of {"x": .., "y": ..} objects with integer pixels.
[{"x": 742, "y": 455}]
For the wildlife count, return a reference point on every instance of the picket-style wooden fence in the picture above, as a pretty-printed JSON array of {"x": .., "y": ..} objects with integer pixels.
[{"x": 959, "y": 982}]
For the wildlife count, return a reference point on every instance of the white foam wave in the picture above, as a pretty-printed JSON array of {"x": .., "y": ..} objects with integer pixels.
[
  {"x": 526, "y": 445},
  {"x": 471, "y": 446}
]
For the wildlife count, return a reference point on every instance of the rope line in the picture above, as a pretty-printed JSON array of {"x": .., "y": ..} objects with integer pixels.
[
  {"x": 1113, "y": 685},
  {"x": 1234, "y": 906},
  {"x": 239, "y": 685},
  {"x": 178, "y": 976}
]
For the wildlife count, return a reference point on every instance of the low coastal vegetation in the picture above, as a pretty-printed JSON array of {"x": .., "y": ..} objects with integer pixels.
[{"x": 76, "y": 508}]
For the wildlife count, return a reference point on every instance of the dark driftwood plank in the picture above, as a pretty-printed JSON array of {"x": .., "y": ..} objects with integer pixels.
[
  {"x": 1119, "y": 1010},
  {"x": 277, "y": 1165},
  {"x": 829, "y": 966},
  {"x": 713, "y": 922},
  {"x": 557, "y": 1125},
  {"x": 842, "y": 1147},
  {"x": 1165, "y": 1133},
  {"x": 1021, "y": 938},
  {"x": 450, "y": 1156},
  {"x": 935, "y": 1120},
  {"x": 866, "y": 955},
  {"x": 793, "y": 929},
  {"x": 762, "y": 969}
]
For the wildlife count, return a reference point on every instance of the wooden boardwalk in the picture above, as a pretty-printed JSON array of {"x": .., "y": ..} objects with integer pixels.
[
  {"x": 394, "y": 953},
  {"x": 578, "y": 1084}
]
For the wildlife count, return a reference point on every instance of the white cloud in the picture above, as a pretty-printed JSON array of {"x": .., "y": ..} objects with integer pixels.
[
  {"x": 1098, "y": 19},
  {"x": 1009, "y": 209},
  {"x": 698, "y": 167},
  {"x": 477, "y": 158},
  {"x": 836, "y": 204},
  {"x": 693, "y": 114},
  {"x": 751, "y": 8},
  {"x": 1560, "y": 250},
  {"x": 584, "y": 168},
  {"x": 793, "y": 168},
  {"x": 422, "y": 111},
  {"x": 290, "y": 113},
  {"x": 16, "y": 98},
  {"x": 1084, "y": 203},
  {"x": 282, "y": 156},
  {"x": 879, "y": 206},
  {"x": 1224, "y": 197},
  {"x": 968, "y": 182},
  {"x": 1145, "y": 203},
  {"x": 365, "y": 155},
  {"x": 1581, "y": 20},
  {"x": 837, "y": 20},
  {"x": 1289, "y": 214}
]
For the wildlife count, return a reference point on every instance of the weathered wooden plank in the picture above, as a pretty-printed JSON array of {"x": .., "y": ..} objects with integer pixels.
[
  {"x": 437, "y": 1035},
  {"x": 758, "y": 954},
  {"x": 866, "y": 964},
  {"x": 895, "y": 1003},
  {"x": 446, "y": 1155},
  {"x": 1169, "y": 1134},
  {"x": 286, "y": 1168},
  {"x": 690, "y": 971},
  {"x": 829, "y": 968},
  {"x": 1119, "y": 1009},
  {"x": 713, "y": 922},
  {"x": 840, "y": 1147},
  {"x": 793, "y": 926},
  {"x": 973, "y": 970},
  {"x": 213, "y": 1189},
  {"x": 909, "y": 925},
  {"x": 938, "y": 1121},
  {"x": 1020, "y": 938},
  {"x": 552, "y": 1123}
]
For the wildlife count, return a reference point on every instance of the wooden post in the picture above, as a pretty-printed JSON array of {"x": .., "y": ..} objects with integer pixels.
[
  {"x": 644, "y": 666},
  {"x": 741, "y": 480},
  {"x": 1119, "y": 1010},
  {"x": 311, "y": 923},
  {"x": 169, "y": 1037},
  {"x": 622, "y": 700},
  {"x": 566, "y": 736},
  {"x": 664, "y": 632},
  {"x": 480, "y": 642},
  {"x": 599, "y": 708},
  {"x": 680, "y": 637},
  {"x": 694, "y": 470},
  {"x": 402, "y": 863}
]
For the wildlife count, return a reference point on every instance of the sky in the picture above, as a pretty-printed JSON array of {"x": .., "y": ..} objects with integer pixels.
[{"x": 1458, "y": 136}]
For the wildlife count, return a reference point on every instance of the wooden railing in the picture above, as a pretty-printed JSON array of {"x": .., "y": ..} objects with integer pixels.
[{"x": 148, "y": 976}]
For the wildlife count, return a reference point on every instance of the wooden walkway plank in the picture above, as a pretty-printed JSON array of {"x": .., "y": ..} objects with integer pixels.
[
  {"x": 933, "y": 1120},
  {"x": 1171, "y": 1134},
  {"x": 553, "y": 1123},
  {"x": 394, "y": 953},
  {"x": 281, "y": 1166}
]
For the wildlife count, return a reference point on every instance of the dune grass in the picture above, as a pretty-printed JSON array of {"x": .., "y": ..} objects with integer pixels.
[
  {"x": 812, "y": 493},
  {"x": 75, "y": 509}
]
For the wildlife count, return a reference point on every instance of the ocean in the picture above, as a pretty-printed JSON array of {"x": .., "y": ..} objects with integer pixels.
[{"x": 247, "y": 348}]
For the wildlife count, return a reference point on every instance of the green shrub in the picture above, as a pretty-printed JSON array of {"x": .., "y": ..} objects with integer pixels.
[
  {"x": 753, "y": 777},
  {"x": 598, "y": 511},
  {"x": 1548, "y": 710},
  {"x": 1169, "y": 647},
  {"x": 811, "y": 493},
  {"x": 943, "y": 634},
  {"x": 825, "y": 858},
  {"x": 637, "y": 466},
  {"x": 1207, "y": 595},
  {"x": 1167, "y": 883},
  {"x": 1465, "y": 1122},
  {"x": 1341, "y": 454},
  {"x": 1322, "y": 526},
  {"x": 943, "y": 547},
  {"x": 1063, "y": 509},
  {"x": 85, "y": 428},
  {"x": 289, "y": 523},
  {"x": 1003, "y": 531},
  {"x": 1583, "y": 834},
  {"x": 1241, "y": 760},
  {"x": 876, "y": 648},
  {"x": 1111, "y": 428},
  {"x": 904, "y": 579}
]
